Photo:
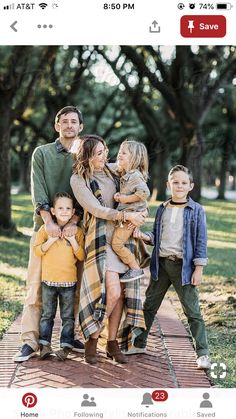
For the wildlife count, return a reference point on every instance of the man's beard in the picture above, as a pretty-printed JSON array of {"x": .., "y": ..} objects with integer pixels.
[{"x": 71, "y": 137}]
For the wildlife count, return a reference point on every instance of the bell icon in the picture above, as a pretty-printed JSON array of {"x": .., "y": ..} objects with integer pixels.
[{"x": 147, "y": 399}]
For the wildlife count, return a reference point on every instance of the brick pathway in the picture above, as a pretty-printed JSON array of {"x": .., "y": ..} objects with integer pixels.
[{"x": 169, "y": 362}]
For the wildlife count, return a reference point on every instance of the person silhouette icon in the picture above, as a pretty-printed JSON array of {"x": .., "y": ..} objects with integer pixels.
[
  {"x": 92, "y": 403},
  {"x": 206, "y": 402},
  {"x": 86, "y": 401}
]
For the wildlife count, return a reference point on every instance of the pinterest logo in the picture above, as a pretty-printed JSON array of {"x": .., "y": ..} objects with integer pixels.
[{"x": 29, "y": 400}]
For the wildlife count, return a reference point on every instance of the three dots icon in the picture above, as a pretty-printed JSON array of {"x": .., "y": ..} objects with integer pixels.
[{"x": 44, "y": 26}]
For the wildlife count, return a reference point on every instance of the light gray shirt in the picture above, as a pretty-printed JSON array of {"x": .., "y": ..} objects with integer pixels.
[{"x": 172, "y": 232}]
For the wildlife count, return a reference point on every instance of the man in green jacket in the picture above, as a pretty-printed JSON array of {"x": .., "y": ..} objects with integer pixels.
[{"x": 50, "y": 173}]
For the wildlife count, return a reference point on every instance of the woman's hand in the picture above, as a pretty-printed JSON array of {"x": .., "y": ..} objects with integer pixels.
[
  {"x": 117, "y": 196},
  {"x": 136, "y": 219},
  {"x": 137, "y": 233},
  {"x": 145, "y": 212}
]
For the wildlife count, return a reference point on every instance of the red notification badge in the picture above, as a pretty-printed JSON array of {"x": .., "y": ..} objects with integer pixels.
[{"x": 159, "y": 395}]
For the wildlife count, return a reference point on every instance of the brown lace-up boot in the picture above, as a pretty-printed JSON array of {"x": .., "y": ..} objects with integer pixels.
[
  {"x": 90, "y": 351},
  {"x": 114, "y": 352}
]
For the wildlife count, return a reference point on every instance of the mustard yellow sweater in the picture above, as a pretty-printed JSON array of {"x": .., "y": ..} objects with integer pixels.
[{"x": 59, "y": 262}]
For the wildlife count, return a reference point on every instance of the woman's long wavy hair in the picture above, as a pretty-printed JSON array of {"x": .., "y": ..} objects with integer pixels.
[
  {"x": 138, "y": 156},
  {"x": 83, "y": 157}
]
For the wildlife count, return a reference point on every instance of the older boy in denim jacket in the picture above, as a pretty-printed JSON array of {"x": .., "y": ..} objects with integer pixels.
[{"x": 179, "y": 238}]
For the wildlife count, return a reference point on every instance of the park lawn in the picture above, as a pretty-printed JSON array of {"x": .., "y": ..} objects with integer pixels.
[
  {"x": 14, "y": 252},
  {"x": 217, "y": 292}
]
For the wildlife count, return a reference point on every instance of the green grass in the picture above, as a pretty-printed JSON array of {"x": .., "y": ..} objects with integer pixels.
[
  {"x": 14, "y": 252},
  {"x": 218, "y": 289},
  {"x": 217, "y": 292}
]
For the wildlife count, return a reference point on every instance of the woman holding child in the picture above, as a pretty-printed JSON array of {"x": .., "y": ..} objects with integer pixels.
[{"x": 102, "y": 294}]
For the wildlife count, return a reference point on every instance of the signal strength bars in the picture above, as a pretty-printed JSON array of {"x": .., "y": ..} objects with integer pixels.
[{"x": 10, "y": 6}]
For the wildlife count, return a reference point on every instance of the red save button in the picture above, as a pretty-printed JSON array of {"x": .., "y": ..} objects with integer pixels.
[{"x": 203, "y": 26}]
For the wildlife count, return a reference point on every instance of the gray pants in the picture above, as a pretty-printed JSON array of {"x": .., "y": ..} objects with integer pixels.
[{"x": 170, "y": 273}]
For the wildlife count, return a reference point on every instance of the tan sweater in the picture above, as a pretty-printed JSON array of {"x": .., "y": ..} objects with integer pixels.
[
  {"x": 59, "y": 262},
  {"x": 89, "y": 202}
]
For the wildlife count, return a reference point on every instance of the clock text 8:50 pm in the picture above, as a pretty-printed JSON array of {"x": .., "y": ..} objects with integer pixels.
[{"x": 118, "y": 6}]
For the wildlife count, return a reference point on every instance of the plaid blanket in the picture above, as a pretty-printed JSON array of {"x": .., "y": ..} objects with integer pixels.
[{"x": 92, "y": 308}]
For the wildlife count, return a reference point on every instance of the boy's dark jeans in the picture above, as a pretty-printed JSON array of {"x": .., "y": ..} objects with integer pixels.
[
  {"x": 50, "y": 297},
  {"x": 170, "y": 273}
]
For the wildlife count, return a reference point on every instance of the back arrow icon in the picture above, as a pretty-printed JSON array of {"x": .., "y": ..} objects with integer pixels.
[{"x": 13, "y": 26}]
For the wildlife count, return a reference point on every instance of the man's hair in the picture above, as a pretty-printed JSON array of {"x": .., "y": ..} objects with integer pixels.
[
  {"x": 180, "y": 168},
  {"x": 61, "y": 195},
  {"x": 85, "y": 154},
  {"x": 68, "y": 109}
]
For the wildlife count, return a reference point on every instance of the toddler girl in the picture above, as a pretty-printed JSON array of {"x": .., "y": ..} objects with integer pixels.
[{"x": 132, "y": 163}]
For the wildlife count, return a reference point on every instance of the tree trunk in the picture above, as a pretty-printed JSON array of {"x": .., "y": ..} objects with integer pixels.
[
  {"x": 158, "y": 176},
  {"x": 24, "y": 180},
  {"x": 194, "y": 163},
  {"x": 5, "y": 175},
  {"x": 233, "y": 173},
  {"x": 162, "y": 174},
  {"x": 226, "y": 154}
]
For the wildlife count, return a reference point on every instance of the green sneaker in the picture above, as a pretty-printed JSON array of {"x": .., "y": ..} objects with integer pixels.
[
  {"x": 45, "y": 351},
  {"x": 63, "y": 353},
  {"x": 135, "y": 351}
]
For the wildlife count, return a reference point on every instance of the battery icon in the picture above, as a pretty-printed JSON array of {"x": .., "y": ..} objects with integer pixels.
[{"x": 224, "y": 6}]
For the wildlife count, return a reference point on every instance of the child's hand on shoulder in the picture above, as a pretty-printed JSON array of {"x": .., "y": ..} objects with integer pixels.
[
  {"x": 69, "y": 238},
  {"x": 70, "y": 229},
  {"x": 197, "y": 276},
  {"x": 53, "y": 239}
]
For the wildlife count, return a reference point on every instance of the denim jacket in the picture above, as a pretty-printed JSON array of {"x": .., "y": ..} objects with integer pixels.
[{"x": 194, "y": 240}]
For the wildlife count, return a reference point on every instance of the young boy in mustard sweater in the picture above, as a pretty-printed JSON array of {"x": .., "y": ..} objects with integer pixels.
[{"x": 59, "y": 277}]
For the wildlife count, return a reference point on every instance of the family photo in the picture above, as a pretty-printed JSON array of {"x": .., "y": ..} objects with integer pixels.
[{"x": 117, "y": 216}]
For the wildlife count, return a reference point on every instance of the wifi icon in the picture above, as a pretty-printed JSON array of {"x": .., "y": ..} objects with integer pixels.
[{"x": 43, "y": 5}]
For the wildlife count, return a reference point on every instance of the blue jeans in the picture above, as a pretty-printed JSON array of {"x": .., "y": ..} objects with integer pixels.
[{"x": 50, "y": 297}]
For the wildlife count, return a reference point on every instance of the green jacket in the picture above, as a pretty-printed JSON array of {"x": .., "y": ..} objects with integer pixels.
[{"x": 51, "y": 171}]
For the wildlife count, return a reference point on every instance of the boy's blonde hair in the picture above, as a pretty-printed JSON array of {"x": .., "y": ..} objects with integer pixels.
[
  {"x": 138, "y": 156},
  {"x": 180, "y": 168}
]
